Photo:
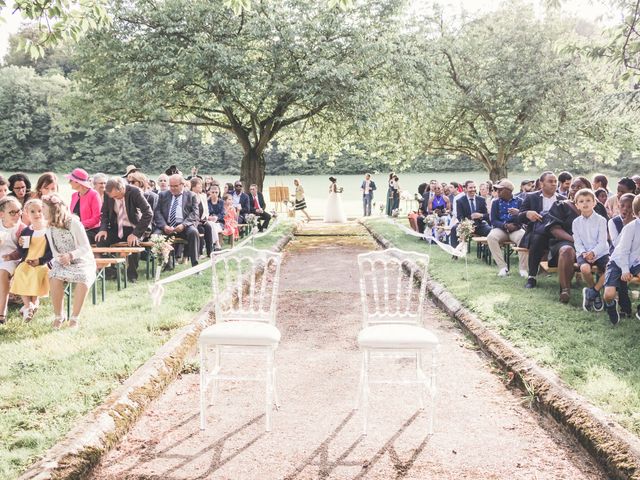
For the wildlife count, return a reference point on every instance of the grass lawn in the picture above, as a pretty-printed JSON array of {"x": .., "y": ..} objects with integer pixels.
[
  {"x": 599, "y": 361},
  {"x": 48, "y": 379}
]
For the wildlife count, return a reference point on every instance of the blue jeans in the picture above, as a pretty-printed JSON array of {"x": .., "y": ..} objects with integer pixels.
[{"x": 366, "y": 203}]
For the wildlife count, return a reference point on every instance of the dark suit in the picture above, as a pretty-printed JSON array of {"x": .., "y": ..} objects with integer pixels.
[
  {"x": 190, "y": 220},
  {"x": 140, "y": 216},
  {"x": 367, "y": 197},
  {"x": 463, "y": 211},
  {"x": 424, "y": 211},
  {"x": 245, "y": 207},
  {"x": 536, "y": 239},
  {"x": 263, "y": 218}
]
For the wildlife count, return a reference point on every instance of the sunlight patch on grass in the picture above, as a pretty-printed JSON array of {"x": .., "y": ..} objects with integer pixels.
[{"x": 603, "y": 386}]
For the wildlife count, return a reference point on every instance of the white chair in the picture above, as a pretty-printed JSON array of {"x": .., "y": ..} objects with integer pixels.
[
  {"x": 245, "y": 320},
  {"x": 392, "y": 308}
]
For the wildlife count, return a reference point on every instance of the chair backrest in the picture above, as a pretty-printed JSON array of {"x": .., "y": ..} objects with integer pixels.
[
  {"x": 253, "y": 277},
  {"x": 388, "y": 286}
]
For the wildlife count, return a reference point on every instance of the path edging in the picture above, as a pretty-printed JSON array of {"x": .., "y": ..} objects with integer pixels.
[
  {"x": 81, "y": 449},
  {"x": 612, "y": 447}
]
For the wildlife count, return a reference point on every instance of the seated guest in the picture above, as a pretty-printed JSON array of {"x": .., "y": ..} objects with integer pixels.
[
  {"x": 85, "y": 202},
  {"x": 616, "y": 224},
  {"x": 636, "y": 179},
  {"x": 10, "y": 229},
  {"x": 526, "y": 186},
  {"x": 438, "y": 202},
  {"x": 559, "y": 224},
  {"x": 473, "y": 207},
  {"x": 47, "y": 183},
  {"x": 592, "y": 247},
  {"x": 163, "y": 183},
  {"x": 139, "y": 179},
  {"x": 4, "y": 187},
  {"x": 601, "y": 195},
  {"x": 124, "y": 217},
  {"x": 203, "y": 225},
  {"x": 601, "y": 181},
  {"x": 215, "y": 207},
  {"x": 624, "y": 264},
  {"x": 240, "y": 201},
  {"x": 533, "y": 210},
  {"x": 230, "y": 218},
  {"x": 625, "y": 185},
  {"x": 177, "y": 215},
  {"x": 99, "y": 182},
  {"x": 504, "y": 220},
  {"x": 257, "y": 207},
  {"x": 564, "y": 183},
  {"x": 20, "y": 187}
]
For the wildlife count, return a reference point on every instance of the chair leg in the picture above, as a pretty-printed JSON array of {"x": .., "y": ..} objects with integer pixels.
[
  {"x": 365, "y": 392},
  {"x": 358, "y": 404},
  {"x": 420, "y": 376},
  {"x": 216, "y": 372},
  {"x": 269, "y": 391},
  {"x": 276, "y": 399},
  {"x": 432, "y": 391},
  {"x": 203, "y": 386}
]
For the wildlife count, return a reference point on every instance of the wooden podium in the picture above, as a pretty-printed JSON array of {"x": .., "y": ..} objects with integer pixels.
[{"x": 279, "y": 196}]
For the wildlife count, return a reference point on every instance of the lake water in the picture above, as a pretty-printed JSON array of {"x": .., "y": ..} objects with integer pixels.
[{"x": 316, "y": 187}]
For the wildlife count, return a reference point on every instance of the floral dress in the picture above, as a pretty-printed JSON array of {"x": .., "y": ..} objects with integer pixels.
[
  {"x": 231, "y": 222},
  {"x": 79, "y": 270}
]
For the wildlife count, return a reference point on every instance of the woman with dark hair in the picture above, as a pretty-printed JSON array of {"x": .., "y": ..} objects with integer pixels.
[
  {"x": 47, "y": 184},
  {"x": 390, "y": 191},
  {"x": 20, "y": 187},
  {"x": 396, "y": 194},
  {"x": 333, "y": 210},
  {"x": 559, "y": 225}
]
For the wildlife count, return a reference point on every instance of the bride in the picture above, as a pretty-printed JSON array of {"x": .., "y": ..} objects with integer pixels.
[{"x": 333, "y": 212}]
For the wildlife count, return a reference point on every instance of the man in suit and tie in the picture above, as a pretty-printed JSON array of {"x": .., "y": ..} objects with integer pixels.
[
  {"x": 241, "y": 201},
  {"x": 368, "y": 187},
  {"x": 473, "y": 207},
  {"x": 177, "y": 214},
  {"x": 257, "y": 206},
  {"x": 532, "y": 214},
  {"x": 125, "y": 216}
]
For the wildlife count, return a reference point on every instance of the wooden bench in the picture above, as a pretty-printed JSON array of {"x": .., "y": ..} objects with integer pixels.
[
  {"x": 483, "y": 252},
  {"x": 101, "y": 265},
  {"x": 150, "y": 258},
  {"x": 122, "y": 252}
]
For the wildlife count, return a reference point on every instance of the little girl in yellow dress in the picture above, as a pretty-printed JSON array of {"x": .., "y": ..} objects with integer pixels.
[{"x": 31, "y": 278}]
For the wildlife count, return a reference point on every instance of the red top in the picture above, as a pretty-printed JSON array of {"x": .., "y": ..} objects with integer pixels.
[{"x": 90, "y": 206}]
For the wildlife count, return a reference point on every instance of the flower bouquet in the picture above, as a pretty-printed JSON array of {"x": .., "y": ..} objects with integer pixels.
[
  {"x": 339, "y": 189},
  {"x": 161, "y": 248},
  {"x": 465, "y": 230},
  {"x": 252, "y": 221},
  {"x": 431, "y": 220}
]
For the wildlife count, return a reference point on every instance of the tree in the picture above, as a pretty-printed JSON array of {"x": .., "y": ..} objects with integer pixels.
[
  {"x": 494, "y": 88},
  {"x": 253, "y": 75}
]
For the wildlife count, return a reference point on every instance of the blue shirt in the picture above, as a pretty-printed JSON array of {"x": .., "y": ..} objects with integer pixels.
[
  {"x": 590, "y": 235},
  {"x": 500, "y": 211},
  {"x": 627, "y": 252}
]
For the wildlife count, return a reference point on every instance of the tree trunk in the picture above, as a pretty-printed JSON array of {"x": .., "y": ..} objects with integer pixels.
[
  {"x": 497, "y": 172},
  {"x": 252, "y": 169}
]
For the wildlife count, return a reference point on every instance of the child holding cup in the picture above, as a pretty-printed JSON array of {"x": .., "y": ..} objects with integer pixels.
[{"x": 31, "y": 278}]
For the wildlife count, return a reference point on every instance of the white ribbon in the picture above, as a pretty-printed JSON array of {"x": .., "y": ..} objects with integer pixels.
[
  {"x": 156, "y": 291},
  {"x": 459, "y": 251}
]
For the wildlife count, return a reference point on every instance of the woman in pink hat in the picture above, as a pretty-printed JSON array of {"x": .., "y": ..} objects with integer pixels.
[{"x": 85, "y": 202}]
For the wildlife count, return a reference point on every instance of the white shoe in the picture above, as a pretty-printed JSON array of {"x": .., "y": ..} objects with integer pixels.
[
  {"x": 524, "y": 274},
  {"x": 503, "y": 272}
]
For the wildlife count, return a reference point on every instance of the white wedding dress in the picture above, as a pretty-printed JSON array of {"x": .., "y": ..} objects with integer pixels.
[{"x": 333, "y": 212}]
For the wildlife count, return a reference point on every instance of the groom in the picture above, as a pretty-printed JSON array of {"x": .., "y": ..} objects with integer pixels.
[{"x": 367, "y": 187}]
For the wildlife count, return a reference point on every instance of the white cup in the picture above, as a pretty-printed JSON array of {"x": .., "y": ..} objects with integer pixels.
[{"x": 26, "y": 239}]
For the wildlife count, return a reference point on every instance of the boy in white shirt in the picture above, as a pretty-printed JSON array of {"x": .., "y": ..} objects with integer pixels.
[
  {"x": 624, "y": 264},
  {"x": 592, "y": 247}
]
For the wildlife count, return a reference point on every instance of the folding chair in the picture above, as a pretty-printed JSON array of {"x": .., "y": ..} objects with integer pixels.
[
  {"x": 246, "y": 324},
  {"x": 392, "y": 309}
]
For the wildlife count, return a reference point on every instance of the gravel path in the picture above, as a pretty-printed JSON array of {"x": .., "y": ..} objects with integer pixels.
[{"x": 483, "y": 430}]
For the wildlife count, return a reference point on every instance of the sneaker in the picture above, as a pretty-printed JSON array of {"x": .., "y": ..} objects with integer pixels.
[
  {"x": 524, "y": 273},
  {"x": 598, "y": 304},
  {"x": 503, "y": 272},
  {"x": 612, "y": 311},
  {"x": 587, "y": 302},
  {"x": 531, "y": 283}
]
